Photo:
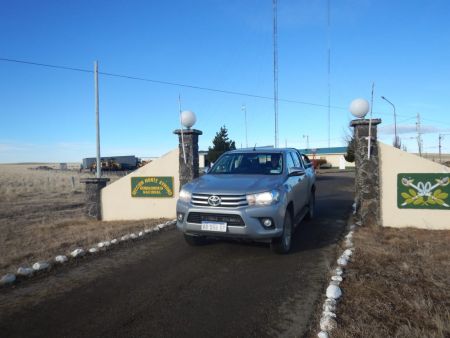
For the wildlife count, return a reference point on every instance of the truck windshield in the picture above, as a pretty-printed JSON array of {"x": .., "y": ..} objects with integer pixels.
[{"x": 249, "y": 163}]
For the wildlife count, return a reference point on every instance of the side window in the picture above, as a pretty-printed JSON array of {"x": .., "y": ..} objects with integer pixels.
[
  {"x": 296, "y": 159},
  {"x": 306, "y": 160},
  {"x": 289, "y": 161}
]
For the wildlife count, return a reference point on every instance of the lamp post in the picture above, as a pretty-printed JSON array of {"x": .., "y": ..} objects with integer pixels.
[{"x": 396, "y": 139}]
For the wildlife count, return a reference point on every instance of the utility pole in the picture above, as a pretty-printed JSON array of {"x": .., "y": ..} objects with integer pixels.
[
  {"x": 244, "y": 109},
  {"x": 275, "y": 69},
  {"x": 97, "y": 120},
  {"x": 440, "y": 148},
  {"x": 419, "y": 135},
  {"x": 329, "y": 73}
]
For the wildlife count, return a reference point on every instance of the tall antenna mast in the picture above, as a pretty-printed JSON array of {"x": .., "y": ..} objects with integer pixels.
[
  {"x": 419, "y": 135},
  {"x": 275, "y": 69},
  {"x": 329, "y": 73}
]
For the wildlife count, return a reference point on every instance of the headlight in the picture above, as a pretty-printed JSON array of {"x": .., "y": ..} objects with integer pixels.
[
  {"x": 264, "y": 198},
  {"x": 185, "y": 195}
]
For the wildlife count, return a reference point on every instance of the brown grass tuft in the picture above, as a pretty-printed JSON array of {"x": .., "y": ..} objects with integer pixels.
[{"x": 397, "y": 285}]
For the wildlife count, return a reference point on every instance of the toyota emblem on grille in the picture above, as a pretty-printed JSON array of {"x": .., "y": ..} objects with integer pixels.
[{"x": 214, "y": 200}]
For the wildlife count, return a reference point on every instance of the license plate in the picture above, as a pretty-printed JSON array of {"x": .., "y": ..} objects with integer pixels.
[{"x": 214, "y": 226}]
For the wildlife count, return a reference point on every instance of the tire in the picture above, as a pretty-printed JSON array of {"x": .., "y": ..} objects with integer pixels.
[
  {"x": 282, "y": 245},
  {"x": 311, "y": 205},
  {"x": 194, "y": 240}
]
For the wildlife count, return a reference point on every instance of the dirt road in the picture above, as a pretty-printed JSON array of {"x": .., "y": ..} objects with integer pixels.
[{"x": 161, "y": 287}]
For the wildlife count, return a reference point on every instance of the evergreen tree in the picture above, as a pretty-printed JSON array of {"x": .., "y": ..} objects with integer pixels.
[
  {"x": 221, "y": 144},
  {"x": 350, "y": 156}
]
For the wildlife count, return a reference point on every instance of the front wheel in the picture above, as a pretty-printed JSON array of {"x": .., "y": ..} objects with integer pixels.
[{"x": 282, "y": 245}]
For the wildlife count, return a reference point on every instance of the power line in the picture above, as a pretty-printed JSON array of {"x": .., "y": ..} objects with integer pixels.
[{"x": 131, "y": 77}]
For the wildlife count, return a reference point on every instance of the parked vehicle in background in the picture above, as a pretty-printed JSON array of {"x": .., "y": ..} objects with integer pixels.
[{"x": 258, "y": 194}]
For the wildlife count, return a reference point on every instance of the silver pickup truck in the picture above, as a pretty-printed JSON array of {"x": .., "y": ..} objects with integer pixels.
[{"x": 257, "y": 194}]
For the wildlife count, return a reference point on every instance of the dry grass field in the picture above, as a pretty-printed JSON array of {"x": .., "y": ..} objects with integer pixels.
[
  {"x": 398, "y": 285},
  {"x": 41, "y": 215}
]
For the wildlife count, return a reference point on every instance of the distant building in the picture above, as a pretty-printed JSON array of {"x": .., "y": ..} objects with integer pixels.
[
  {"x": 63, "y": 166},
  {"x": 333, "y": 155}
]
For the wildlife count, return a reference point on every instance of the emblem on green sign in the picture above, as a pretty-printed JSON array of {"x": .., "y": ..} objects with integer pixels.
[
  {"x": 423, "y": 191},
  {"x": 152, "y": 186}
]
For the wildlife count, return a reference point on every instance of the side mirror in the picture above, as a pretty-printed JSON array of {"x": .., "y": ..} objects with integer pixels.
[{"x": 296, "y": 171}]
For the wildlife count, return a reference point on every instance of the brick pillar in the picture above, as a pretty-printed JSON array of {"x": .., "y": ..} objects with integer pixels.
[
  {"x": 367, "y": 189},
  {"x": 188, "y": 170},
  {"x": 93, "y": 207}
]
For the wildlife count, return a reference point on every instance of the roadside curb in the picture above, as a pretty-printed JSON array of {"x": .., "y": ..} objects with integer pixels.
[
  {"x": 333, "y": 294},
  {"x": 40, "y": 267}
]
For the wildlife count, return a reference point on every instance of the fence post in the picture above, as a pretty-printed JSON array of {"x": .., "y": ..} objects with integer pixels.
[
  {"x": 189, "y": 169},
  {"x": 367, "y": 189}
]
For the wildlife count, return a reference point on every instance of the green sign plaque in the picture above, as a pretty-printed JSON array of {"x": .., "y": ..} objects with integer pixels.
[
  {"x": 423, "y": 191},
  {"x": 152, "y": 186}
]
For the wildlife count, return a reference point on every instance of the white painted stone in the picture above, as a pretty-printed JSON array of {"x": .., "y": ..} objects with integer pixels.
[
  {"x": 61, "y": 259},
  {"x": 352, "y": 227},
  {"x": 161, "y": 226},
  {"x": 331, "y": 307},
  {"x": 349, "y": 235},
  {"x": 147, "y": 231},
  {"x": 133, "y": 236},
  {"x": 114, "y": 241},
  {"x": 348, "y": 243},
  {"x": 125, "y": 238},
  {"x": 348, "y": 253},
  {"x": 328, "y": 313},
  {"x": 107, "y": 243},
  {"x": 335, "y": 282},
  {"x": 8, "y": 279},
  {"x": 328, "y": 323},
  {"x": 38, "y": 266},
  {"x": 93, "y": 250},
  {"x": 342, "y": 261},
  {"x": 322, "y": 334},
  {"x": 101, "y": 244},
  {"x": 331, "y": 301},
  {"x": 339, "y": 271},
  {"x": 21, "y": 271},
  {"x": 333, "y": 291},
  {"x": 338, "y": 278},
  {"x": 141, "y": 233},
  {"x": 359, "y": 223},
  {"x": 156, "y": 228},
  {"x": 77, "y": 252}
]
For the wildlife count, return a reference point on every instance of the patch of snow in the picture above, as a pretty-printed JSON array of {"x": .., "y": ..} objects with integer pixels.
[
  {"x": 61, "y": 259},
  {"x": 8, "y": 279},
  {"x": 77, "y": 252},
  {"x": 38, "y": 266},
  {"x": 333, "y": 291},
  {"x": 21, "y": 271}
]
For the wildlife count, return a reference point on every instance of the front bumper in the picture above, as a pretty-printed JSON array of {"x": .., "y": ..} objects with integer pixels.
[{"x": 251, "y": 229}]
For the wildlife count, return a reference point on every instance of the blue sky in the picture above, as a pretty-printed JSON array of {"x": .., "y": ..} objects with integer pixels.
[{"x": 48, "y": 114}]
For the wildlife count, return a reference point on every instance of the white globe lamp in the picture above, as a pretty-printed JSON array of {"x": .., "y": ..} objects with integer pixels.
[
  {"x": 188, "y": 118},
  {"x": 359, "y": 108}
]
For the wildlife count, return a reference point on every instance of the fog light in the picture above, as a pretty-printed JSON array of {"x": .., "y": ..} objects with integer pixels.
[
  {"x": 267, "y": 222},
  {"x": 180, "y": 217}
]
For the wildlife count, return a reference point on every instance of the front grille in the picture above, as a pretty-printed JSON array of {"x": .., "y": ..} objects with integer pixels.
[
  {"x": 199, "y": 217},
  {"x": 227, "y": 201}
]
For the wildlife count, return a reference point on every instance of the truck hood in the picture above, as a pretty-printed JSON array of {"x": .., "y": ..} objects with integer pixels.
[{"x": 235, "y": 184}]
